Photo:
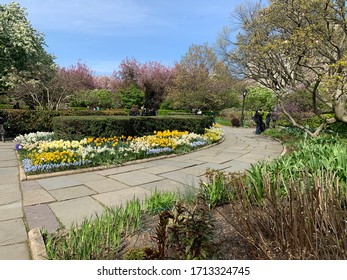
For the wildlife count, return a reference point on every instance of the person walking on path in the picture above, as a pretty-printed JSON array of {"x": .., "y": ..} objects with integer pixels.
[
  {"x": 2, "y": 130},
  {"x": 258, "y": 119},
  {"x": 268, "y": 119}
]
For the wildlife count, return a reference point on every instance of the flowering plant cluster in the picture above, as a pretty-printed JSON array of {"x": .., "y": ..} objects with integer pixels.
[
  {"x": 41, "y": 154},
  {"x": 34, "y": 137}
]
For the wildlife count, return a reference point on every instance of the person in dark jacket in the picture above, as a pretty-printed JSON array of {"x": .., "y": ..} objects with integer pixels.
[
  {"x": 2, "y": 130},
  {"x": 134, "y": 111},
  {"x": 258, "y": 119},
  {"x": 268, "y": 119}
]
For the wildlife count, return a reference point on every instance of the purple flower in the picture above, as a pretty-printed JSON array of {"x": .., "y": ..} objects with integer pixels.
[
  {"x": 159, "y": 150},
  {"x": 18, "y": 147}
]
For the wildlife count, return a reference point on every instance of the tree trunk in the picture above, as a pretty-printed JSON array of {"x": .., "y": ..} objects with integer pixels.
[
  {"x": 340, "y": 107},
  {"x": 317, "y": 131}
]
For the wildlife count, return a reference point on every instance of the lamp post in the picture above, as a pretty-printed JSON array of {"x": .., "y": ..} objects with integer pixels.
[{"x": 244, "y": 94}]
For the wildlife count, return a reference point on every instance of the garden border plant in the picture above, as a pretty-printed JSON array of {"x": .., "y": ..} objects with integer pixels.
[
  {"x": 101, "y": 237},
  {"x": 39, "y": 156},
  {"x": 26, "y": 121},
  {"x": 78, "y": 127}
]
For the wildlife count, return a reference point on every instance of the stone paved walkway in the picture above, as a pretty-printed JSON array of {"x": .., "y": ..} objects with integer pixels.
[{"x": 63, "y": 200}]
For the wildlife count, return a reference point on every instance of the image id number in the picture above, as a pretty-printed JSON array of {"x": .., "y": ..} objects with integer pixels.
[{"x": 215, "y": 270}]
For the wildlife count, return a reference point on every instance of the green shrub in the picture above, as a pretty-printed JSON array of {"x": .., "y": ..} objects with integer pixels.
[
  {"x": 160, "y": 201},
  {"x": 339, "y": 128},
  {"x": 95, "y": 98},
  {"x": 217, "y": 190},
  {"x": 312, "y": 122},
  {"x": 25, "y": 121},
  {"x": 229, "y": 113},
  {"x": 166, "y": 112},
  {"x": 68, "y": 127}
]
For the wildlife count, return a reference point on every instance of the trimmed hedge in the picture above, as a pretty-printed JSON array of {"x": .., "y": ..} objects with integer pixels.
[
  {"x": 69, "y": 128},
  {"x": 26, "y": 121}
]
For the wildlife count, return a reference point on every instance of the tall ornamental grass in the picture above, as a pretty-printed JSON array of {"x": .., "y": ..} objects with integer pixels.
[
  {"x": 316, "y": 155},
  {"x": 98, "y": 238},
  {"x": 309, "y": 222}
]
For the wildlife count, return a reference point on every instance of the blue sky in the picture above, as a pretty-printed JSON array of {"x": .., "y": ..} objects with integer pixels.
[{"x": 101, "y": 33}]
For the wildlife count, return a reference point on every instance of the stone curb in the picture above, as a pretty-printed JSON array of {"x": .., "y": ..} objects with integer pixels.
[
  {"x": 24, "y": 177},
  {"x": 36, "y": 245},
  {"x": 284, "y": 149}
]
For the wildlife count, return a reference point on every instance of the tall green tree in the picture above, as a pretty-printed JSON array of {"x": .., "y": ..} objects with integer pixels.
[
  {"x": 294, "y": 45},
  {"x": 131, "y": 96},
  {"x": 201, "y": 81},
  {"x": 22, "y": 53},
  {"x": 260, "y": 97}
]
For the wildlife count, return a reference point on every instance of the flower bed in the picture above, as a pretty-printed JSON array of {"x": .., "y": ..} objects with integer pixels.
[{"x": 40, "y": 153}]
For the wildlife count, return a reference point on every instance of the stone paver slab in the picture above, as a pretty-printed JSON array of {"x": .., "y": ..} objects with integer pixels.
[
  {"x": 198, "y": 170},
  {"x": 106, "y": 185},
  {"x": 203, "y": 167},
  {"x": 250, "y": 158},
  {"x": 232, "y": 154},
  {"x": 8, "y": 171},
  {"x": 11, "y": 211},
  {"x": 236, "y": 165},
  {"x": 164, "y": 185},
  {"x": 57, "y": 182},
  {"x": 120, "y": 169},
  {"x": 118, "y": 198},
  {"x": 86, "y": 177},
  {"x": 220, "y": 159},
  {"x": 71, "y": 192},
  {"x": 12, "y": 232},
  {"x": 8, "y": 163},
  {"x": 41, "y": 216},
  {"x": 275, "y": 148},
  {"x": 135, "y": 178},
  {"x": 178, "y": 161},
  {"x": 18, "y": 251},
  {"x": 75, "y": 210},
  {"x": 30, "y": 185},
  {"x": 36, "y": 196},
  {"x": 7, "y": 154},
  {"x": 10, "y": 193},
  {"x": 9, "y": 178},
  {"x": 183, "y": 178},
  {"x": 158, "y": 169}
]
